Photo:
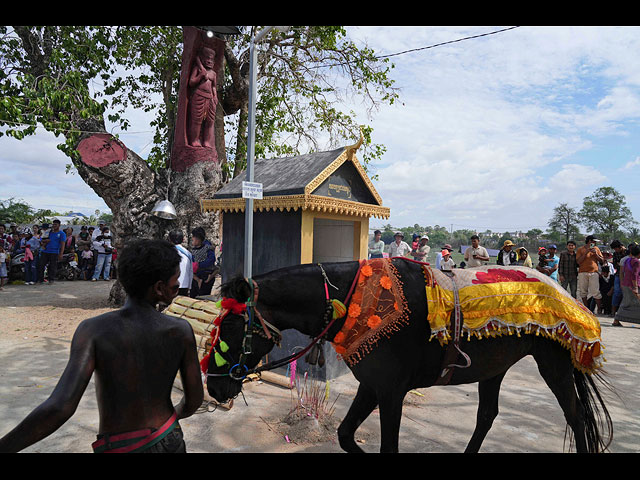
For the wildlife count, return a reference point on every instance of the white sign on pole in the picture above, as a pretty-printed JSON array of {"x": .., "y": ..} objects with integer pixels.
[{"x": 252, "y": 190}]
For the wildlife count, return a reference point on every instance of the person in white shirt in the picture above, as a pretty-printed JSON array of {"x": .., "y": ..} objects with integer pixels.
[
  {"x": 399, "y": 248},
  {"x": 476, "y": 256},
  {"x": 186, "y": 263},
  {"x": 439, "y": 255},
  {"x": 447, "y": 262},
  {"x": 102, "y": 246},
  {"x": 507, "y": 256},
  {"x": 376, "y": 247}
]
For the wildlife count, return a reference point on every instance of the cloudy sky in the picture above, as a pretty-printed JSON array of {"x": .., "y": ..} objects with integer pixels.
[{"x": 489, "y": 133}]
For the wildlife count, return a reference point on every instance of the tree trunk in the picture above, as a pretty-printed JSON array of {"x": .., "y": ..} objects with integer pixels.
[{"x": 130, "y": 188}]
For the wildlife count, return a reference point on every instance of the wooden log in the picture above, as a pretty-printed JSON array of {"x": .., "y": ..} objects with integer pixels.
[{"x": 276, "y": 379}]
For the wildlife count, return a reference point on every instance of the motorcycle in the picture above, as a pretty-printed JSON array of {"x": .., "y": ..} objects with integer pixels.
[
  {"x": 68, "y": 268},
  {"x": 16, "y": 267}
]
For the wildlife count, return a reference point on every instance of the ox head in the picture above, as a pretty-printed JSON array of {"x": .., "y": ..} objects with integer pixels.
[{"x": 228, "y": 369}]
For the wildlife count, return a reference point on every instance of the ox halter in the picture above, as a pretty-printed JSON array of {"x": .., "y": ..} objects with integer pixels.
[{"x": 334, "y": 309}]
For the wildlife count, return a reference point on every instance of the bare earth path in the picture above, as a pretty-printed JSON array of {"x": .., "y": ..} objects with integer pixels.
[{"x": 37, "y": 322}]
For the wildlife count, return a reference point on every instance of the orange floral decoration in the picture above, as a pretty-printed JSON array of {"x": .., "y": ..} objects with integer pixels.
[
  {"x": 348, "y": 324},
  {"x": 354, "y": 310},
  {"x": 385, "y": 282},
  {"x": 374, "y": 321},
  {"x": 377, "y": 309}
]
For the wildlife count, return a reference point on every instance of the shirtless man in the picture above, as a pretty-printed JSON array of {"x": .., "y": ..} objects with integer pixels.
[{"x": 135, "y": 353}]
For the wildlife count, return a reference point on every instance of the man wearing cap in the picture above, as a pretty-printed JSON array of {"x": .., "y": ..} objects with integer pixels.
[
  {"x": 476, "y": 256},
  {"x": 399, "y": 248},
  {"x": 422, "y": 251},
  {"x": 588, "y": 257},
  {"x": 568, "y": 269},
  {"x": 507, "y": 256}
]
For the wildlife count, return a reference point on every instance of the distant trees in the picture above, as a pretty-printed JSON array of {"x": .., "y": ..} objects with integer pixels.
[
  {"x": 565, "y": 222},
  {"x": 604, "y": 213}
]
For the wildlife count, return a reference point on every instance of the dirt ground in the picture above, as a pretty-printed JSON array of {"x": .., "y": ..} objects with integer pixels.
[{"x": 37, "y": 323}]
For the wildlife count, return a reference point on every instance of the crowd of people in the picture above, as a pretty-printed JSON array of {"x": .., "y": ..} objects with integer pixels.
[
  {"x": 45, "y": 246},
  {"x": 605, "y": 281}
]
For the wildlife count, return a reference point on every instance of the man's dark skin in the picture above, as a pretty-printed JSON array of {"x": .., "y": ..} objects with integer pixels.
[{"x": 135, "y": 353}]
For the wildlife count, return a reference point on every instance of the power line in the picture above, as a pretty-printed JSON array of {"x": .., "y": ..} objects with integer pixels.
[
  {"x": 448, "y": 42},
  {"x": 378, "y": 57}
]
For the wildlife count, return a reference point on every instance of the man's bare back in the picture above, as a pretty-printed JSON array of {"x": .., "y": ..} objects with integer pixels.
[{"x": 135, "y": 353}]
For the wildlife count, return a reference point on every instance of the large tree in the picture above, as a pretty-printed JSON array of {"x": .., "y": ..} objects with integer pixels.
[
  {"x": 565, "y": 221},
  {"x": 605, "y": 212},
  {"x": 48, "y": 77}
]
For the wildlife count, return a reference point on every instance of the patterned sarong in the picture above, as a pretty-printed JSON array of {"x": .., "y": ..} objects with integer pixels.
[{"x": 494, "y": 301}]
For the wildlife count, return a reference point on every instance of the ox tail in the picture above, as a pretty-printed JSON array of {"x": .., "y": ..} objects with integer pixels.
[{"x": 598, "y": 426}]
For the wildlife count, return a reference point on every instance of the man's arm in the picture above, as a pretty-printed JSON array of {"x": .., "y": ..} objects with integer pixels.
[
  {"x": 191, "y": 378},
  {"x": 63, "y": 401},
  {"x": 485, "y": 257},
  {"x": 63, "y": 241}
]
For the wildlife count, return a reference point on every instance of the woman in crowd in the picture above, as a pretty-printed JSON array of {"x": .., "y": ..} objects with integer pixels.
[
  {"x": 523, "y": 257},
  {"x": 204, "y": 263},
  {"x": 629, "y": 309}
]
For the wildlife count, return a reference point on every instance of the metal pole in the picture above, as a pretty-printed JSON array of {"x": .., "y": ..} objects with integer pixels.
[{"x": 251, "y": 148}]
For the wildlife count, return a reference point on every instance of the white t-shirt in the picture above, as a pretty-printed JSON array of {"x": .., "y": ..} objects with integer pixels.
[
  {"x": 447, "y": 264},
  {"x": 474, "y": 262},
  {"x": 401, "y": 250},
  {"x": 186, "y": 269}
]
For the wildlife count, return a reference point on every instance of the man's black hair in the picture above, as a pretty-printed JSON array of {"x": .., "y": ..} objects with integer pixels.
[
  {"x": 616, "y": 244},
  {"x": 634, "y": 249},
  {"x": 199, "y": 232},
  {"x": 572, "y": 243},
  {"x": 176, "y": 237},
  {"x": 475, "y": 237},
  {"x": 144, "y": 262}
]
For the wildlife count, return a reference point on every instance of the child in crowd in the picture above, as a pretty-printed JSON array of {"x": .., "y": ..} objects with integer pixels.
[
  {"x": 606, "y": 289},
  {"x": 86, "y": 261},
  {"x": 542, "y": 259},
  {"x": 447, "y": 262}
]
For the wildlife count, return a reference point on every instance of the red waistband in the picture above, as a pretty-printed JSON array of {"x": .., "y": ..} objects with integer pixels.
[{"x": 139, "y": 438}]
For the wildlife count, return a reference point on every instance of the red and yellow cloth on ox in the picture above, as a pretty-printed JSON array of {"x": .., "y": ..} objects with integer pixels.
[{"x": 494, "y": 301}]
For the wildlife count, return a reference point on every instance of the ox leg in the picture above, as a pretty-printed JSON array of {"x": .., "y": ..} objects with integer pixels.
[
  {"x": 363, "y": 404},
  {"x": 488, "y": 392},
  {"x": 557, "y": 371},
  {"x": 390, "y": 417}
]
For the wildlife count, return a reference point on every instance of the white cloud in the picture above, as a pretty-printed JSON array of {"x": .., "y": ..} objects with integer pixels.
[{"x": 632, "y": 164}]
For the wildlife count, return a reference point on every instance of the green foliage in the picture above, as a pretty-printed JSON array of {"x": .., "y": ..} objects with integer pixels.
[
  {"x": 67, "y": 78},
  {"x": 605, "y": 212},
  {"x": 564, "y": 224},
  {"x": 46, "y": 73},
  {"x": 12, "y": 211}
]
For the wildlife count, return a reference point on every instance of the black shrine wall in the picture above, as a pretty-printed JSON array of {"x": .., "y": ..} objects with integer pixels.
[{"x": 276, "y": 242}]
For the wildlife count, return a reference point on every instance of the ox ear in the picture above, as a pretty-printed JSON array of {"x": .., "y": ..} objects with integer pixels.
[{"x": 237, "y": 288}]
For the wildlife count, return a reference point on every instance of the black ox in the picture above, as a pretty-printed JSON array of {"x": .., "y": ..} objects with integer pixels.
[{"x": 294, "y": 298}]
